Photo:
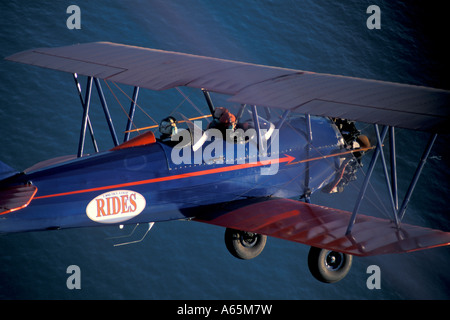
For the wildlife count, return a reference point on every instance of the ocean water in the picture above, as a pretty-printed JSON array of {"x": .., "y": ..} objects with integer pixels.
[{"x": 40, "y": 118}]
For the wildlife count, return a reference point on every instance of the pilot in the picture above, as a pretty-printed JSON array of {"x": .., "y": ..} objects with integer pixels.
[
  {"x": 223, "y": 119},
  {"x": 168, "y": 128}
]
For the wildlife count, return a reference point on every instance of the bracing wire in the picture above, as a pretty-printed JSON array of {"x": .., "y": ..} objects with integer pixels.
[
  {"x": 123, "y": 109},
  {"x": 189, "y": 100},
  {"x": 185, "y": 98},
  {"x": 135, "y": 103}
]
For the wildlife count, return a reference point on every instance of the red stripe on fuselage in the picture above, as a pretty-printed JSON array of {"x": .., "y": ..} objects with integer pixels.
[{"x": 287, "y": 158}]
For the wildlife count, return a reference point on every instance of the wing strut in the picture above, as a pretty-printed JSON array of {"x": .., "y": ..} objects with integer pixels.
[
  {"x": 91, "y": 130},
  {"x": 420, "y": 166},
  {"x": 307, "y": 194},
  {"x": 106, "y": 111},
  {"x": 258, "y": 130},
  {"x": 131, "y": 114},
  {"x": 86, "y": 105},
  {"x": 391, "y": 182},
  {"x": 209, "y": 101},
  {"x": 86, "y": 123},
  {"x": 362, "y": 192},
  {"x": 393, "y": 166},
  {"x": 386, "y": 175}
]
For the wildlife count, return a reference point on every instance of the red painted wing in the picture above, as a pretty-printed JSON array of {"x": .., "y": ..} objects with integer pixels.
[{"x": 325, "y": 227}]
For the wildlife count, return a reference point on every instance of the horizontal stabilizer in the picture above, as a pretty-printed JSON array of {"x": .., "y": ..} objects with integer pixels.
[
  {"x": 6, "y": 171},
  {"x": 16, "y": 197},
  {"x": 325, "y": 227}
]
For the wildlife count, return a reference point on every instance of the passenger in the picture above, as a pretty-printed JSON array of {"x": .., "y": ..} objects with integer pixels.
[
  {"x": 168, "y": 128},
  {"x": 223, "y": 119}
]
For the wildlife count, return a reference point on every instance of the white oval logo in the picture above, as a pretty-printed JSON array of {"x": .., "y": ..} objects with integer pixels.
[{"x": 115, "y": 206}]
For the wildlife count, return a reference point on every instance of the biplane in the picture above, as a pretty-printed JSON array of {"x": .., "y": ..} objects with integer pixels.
[{"x": 216, "y": 177}]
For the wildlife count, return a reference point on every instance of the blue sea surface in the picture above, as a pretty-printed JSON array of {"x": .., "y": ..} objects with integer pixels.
[{"x": 40, "y": 116}]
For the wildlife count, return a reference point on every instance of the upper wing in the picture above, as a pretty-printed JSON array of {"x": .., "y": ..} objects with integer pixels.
[
  {"x": 323, "y": 227},
  {"x": 386, "y": 103},
  {"x": 150, "y": 68}
]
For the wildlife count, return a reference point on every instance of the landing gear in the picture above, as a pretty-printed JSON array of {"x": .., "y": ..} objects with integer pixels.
[
  {"x": 244, "y": 245},
  {"x": 325, "y": 265},
  {"x": 328, "y": 266}
]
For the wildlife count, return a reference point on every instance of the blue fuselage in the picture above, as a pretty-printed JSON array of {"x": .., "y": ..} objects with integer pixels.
[{"x": 83, "y": 191}]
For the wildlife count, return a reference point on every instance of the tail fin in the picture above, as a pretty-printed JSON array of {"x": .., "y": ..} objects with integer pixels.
[{"x": 6, "y": 171}]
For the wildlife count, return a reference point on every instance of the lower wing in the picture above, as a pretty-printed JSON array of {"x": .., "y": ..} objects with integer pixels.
[{"x": 323, "y": 227}]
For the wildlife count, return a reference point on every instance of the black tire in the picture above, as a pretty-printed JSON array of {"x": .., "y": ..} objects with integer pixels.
[
  {"x": 244, "y": 245},
  {"x": 328, "y": 266}
]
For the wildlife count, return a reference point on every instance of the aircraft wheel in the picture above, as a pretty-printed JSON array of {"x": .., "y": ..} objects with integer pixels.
[
  {"x": 244, "y": 245},
  {"x": 328, "y": 266}
]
